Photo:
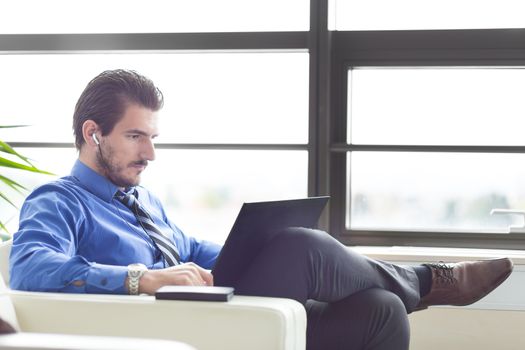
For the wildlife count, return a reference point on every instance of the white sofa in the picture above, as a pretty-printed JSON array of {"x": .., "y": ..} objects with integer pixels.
[
  {"x": 242, "y": 323},
  {"x": 35, "y": 341},
  {"x": 23, "y": 340}
]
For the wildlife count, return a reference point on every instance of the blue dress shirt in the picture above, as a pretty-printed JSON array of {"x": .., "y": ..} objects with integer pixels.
[{"x": 74, "y": 230}]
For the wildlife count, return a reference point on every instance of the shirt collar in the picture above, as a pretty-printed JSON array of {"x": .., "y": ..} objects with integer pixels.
[{"x": 92, "y": 181}]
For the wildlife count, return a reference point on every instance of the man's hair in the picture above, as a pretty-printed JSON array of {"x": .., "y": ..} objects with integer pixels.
[{"x": 106, "y": 97}]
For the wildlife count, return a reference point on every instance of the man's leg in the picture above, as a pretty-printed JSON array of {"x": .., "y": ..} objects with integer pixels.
[
  {"x": 374, "y": 319},
  {"x": 307, "y": 264},
  {"x": 304, "y": 264},
  {"x": 360, "y": 297}
]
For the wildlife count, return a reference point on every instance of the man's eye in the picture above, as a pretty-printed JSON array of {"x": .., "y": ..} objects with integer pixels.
[{"x": 134, "y": 137}]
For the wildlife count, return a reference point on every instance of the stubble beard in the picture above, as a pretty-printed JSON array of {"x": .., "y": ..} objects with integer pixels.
[{"x": 111, "y": 170}]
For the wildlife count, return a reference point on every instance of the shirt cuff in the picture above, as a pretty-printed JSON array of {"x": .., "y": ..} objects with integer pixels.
[{"x": 106, "y": 279}]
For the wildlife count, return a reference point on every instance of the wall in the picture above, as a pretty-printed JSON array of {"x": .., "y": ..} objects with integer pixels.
[{"x": 467, "y": 329}]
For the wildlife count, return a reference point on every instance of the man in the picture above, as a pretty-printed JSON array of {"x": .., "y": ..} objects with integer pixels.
[{"x": 98, "y": 231}]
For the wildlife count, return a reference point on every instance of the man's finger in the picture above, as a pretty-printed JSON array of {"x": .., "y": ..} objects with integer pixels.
[{"x": 200, "y": 276}]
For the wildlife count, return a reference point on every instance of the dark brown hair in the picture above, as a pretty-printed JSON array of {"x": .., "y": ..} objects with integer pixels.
[{"x": 106, "y": 97}]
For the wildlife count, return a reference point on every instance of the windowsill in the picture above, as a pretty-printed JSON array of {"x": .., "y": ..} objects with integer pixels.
[{"x": 432, "y": 254}]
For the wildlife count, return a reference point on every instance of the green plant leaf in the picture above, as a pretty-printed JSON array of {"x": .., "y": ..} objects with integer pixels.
[
  {"x": 13, "y": 184},
  {"x": 4, "y": 147},
  {"x": 7, "y": 200},
  {"x": 7, "y": 163},
  {"x": 11, "y": 164},
  {"x": 3, "y": 236}
]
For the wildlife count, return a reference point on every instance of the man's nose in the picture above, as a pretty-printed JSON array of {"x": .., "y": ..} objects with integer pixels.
[{"x": 148, "y": 151}]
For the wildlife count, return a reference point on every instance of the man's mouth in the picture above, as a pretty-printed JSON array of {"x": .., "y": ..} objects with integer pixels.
[{"x": 142, "y": 164}]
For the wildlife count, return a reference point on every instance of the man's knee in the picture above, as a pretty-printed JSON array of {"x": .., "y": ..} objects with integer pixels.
[
  {"x": 374, "y": 319},
  {"x": 387, "y": 320}
]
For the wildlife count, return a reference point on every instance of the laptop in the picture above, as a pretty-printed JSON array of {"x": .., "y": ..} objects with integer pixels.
[{"x": 255, "y": 225}]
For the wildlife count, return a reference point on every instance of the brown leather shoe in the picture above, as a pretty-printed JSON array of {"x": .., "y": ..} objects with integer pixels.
[{"x": 464, "y": 283}]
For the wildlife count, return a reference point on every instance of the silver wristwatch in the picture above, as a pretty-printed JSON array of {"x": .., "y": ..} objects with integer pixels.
[{"x": 135, "y": 272}]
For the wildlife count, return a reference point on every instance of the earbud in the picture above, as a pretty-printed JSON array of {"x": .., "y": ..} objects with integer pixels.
[{"x": 94, "y": 136}]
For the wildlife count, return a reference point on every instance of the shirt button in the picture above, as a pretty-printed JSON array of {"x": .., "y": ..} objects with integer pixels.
[{"x": 104, "y": 281}]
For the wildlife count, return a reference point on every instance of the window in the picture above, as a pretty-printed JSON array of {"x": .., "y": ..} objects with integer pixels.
[
  {"x": 409, "y": 116},
  {"x": 235, "y": 123},
  {"x": 416, "y": 14},
  {"x": 435, "y": 191},
  {"x": 155, "y": 16},
  {"x": 436, "y": 106},
  {"x": 203, "y": 190},
  {"x": 428, "y": 134}
]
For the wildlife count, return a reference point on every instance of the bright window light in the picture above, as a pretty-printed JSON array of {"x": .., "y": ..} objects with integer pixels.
[
  {"x": 209, "y": 97},
  {"x": 234, "y": 98},
  {"x": 434, "y": 191},
  {"x": 203, "y": 190},
  {"x": 152, "y": 16},
  {"x": 420, "y": 14},
  {"x": 436, "y": 106}
]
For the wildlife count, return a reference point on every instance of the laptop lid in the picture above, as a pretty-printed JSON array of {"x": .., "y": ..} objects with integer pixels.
[{"x": 257, "y": 223}]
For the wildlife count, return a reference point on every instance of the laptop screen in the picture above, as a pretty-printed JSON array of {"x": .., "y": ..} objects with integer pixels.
[{"x": 256, "y": 224}]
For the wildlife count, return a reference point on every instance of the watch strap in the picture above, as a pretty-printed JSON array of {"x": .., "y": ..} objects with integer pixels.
[{"x": 135, "y": 272}]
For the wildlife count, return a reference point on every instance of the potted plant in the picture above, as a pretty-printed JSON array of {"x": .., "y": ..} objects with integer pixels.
[{"x": 9, "y": 158}]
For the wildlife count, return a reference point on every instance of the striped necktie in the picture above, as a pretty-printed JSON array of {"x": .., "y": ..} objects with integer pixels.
[{"x": 163, "y": 243}]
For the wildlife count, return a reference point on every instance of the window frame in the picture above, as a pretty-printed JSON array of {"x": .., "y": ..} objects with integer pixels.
[{"x": 413, "y": 48}]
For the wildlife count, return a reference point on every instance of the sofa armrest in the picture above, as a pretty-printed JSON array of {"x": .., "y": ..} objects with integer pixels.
[
  {"x": 241, "y": 323},
  {"x": 34, "y": 341}
]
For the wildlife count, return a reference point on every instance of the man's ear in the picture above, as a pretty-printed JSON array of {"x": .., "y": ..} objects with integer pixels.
[{"x": 89, "y": 130}]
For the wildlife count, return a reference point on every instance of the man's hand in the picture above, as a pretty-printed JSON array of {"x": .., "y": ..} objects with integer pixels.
[{"x": 188, "y": 274}]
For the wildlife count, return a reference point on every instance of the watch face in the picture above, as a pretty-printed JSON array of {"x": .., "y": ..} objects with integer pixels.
[{"x": 134, "y": 273}]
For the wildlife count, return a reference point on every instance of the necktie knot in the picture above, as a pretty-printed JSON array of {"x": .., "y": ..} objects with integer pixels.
[{"x": 127, "y": 198}]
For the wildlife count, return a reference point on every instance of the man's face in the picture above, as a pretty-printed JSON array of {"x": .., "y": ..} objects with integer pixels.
[{"x": 124, "y": 153}]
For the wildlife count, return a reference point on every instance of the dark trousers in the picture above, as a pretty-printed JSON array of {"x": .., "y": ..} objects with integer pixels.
[{"x": 352, "y": 302}]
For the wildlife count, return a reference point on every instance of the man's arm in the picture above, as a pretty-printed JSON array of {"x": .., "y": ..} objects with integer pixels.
[{"x": 43, "y": 256}]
